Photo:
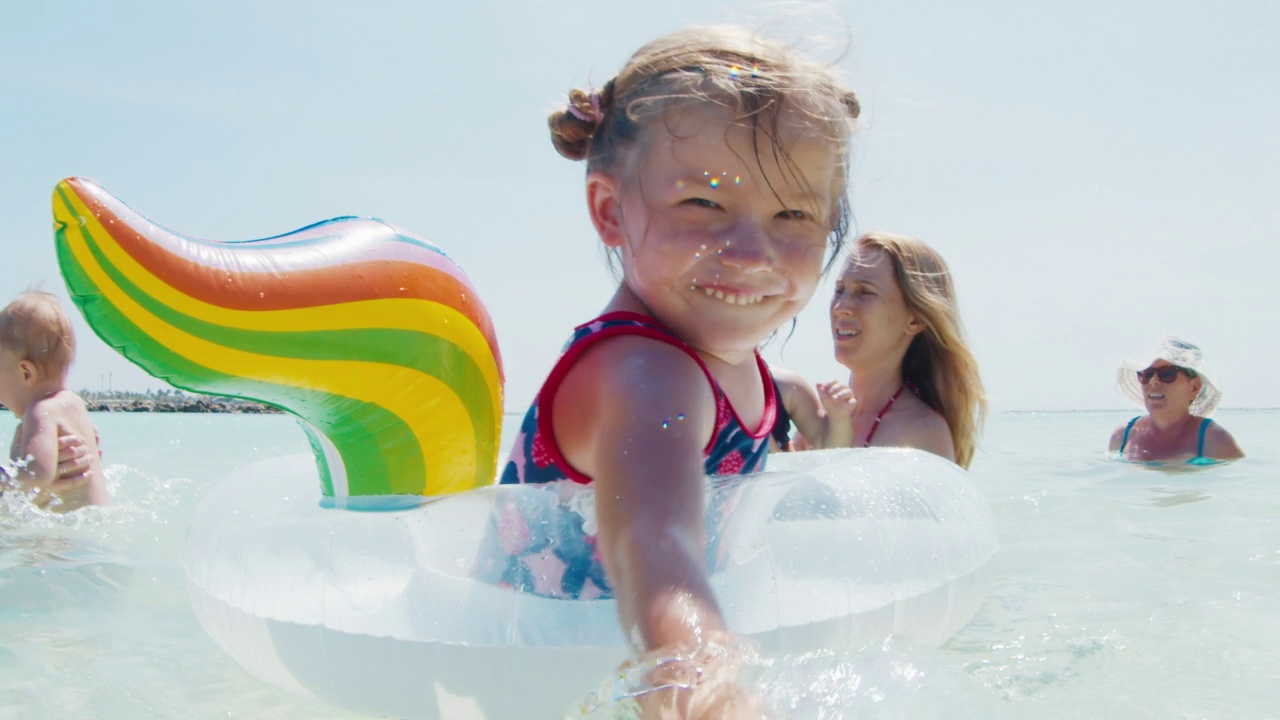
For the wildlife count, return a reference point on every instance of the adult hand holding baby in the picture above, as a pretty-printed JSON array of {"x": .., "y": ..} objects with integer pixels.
[{"x": 75, "y": 465}]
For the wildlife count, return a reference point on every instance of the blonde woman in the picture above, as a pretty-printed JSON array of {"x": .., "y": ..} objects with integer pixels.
[{"x": 913, "y": 381}]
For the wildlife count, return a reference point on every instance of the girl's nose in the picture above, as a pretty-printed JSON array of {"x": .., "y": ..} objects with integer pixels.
[{"x": 746, "y": 249}]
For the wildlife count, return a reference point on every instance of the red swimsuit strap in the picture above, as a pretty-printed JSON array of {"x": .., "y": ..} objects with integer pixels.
[{"x": 876, "y": 425}]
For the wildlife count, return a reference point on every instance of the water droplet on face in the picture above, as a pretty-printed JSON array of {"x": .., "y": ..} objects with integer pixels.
[
  {"x": 680, "y": 416},
  {"x": 666, "y": 424}
]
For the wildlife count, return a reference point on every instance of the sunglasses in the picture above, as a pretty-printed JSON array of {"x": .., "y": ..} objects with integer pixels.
[{"x": 1166, "y": 373}]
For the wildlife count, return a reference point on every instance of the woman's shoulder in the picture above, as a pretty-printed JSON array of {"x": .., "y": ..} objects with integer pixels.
[
  {"x": 921, "y": 413},
  {"x": 1219, "y": 443},
  {"x": 928, "y": 428},
  {"x": 1117, "y": 435}
]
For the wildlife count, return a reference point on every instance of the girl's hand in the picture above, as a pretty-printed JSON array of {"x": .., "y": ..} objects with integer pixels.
[
  {"x": 703, "y": 685},
  {"x": 75, "y": 466}
]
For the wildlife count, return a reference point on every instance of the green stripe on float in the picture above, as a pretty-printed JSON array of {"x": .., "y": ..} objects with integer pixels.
[
  {"x": 360, "y": 432},
  {"x": 420, "y": 351}
]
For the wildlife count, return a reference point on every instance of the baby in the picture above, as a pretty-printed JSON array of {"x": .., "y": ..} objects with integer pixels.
[{"x": 36, "y": 349}]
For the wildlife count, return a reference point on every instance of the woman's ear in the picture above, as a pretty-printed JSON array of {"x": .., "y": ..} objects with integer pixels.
[
  {"x": 604, "y": 202},
  {"x": 915, "y": 325}
]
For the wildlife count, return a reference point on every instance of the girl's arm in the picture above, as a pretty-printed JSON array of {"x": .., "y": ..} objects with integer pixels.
[{"x": 635, "y": 415}]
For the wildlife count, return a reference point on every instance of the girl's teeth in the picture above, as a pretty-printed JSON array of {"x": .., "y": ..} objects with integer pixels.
[{"x": 733, "y": 299}]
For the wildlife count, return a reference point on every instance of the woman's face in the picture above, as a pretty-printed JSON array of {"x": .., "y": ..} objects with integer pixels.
[
  {"x": 1176, "y": 393},
  {"x": 870, "y": 321}
]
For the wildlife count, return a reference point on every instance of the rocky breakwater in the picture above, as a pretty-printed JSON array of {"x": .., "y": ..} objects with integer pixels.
[{"x": 177, "y": 404}]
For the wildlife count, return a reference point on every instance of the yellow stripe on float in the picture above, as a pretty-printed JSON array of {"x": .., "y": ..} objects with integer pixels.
[
  {"x": 446, "y": 435},
  {"x": 390, "y": 313}
]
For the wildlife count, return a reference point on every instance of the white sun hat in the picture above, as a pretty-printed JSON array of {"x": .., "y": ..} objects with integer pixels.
[{"x": 1175, "y": 352}]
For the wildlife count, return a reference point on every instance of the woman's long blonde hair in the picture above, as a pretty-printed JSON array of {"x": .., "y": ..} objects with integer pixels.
[{"x": 938, "y": 362}]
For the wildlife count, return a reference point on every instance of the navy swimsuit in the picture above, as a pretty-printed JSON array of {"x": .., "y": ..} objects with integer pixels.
[{"x": 543, "y": 548}]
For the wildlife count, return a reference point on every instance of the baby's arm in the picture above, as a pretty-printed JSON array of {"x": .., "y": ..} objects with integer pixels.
[
  {"x": 838, "y": 403},
  {"x": 36, "y": 446},
  {"x": 824, "y": 416}
]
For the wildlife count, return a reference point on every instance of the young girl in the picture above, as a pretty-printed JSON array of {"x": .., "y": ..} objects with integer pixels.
[
  {"x": 716, "y": 173},
  {"x": 896, "y": 328}
]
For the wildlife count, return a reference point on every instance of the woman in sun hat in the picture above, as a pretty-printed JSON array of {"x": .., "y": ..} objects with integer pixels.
[{"x": 1179, "y": 396}]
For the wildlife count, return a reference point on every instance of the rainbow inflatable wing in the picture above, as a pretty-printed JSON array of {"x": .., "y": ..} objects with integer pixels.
[{"x": 370, "y": 335}]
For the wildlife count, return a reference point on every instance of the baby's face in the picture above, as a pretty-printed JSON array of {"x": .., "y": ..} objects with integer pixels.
[{"x": 725, "y": 238}]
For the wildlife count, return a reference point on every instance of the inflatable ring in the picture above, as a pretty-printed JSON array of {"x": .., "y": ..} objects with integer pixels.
[
  {"x": 413, "y": 612},
  {"x": 370, "y": 335}
]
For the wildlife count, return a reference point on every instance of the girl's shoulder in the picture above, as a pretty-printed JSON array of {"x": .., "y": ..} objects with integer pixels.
[{"x": 626, "y": 369}]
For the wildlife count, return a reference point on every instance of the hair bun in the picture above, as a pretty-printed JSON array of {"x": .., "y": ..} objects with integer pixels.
[{"x": 573, "y": 127}]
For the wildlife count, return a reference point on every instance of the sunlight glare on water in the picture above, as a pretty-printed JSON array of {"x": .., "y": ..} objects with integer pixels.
[{"x": 1119, "y": 591}]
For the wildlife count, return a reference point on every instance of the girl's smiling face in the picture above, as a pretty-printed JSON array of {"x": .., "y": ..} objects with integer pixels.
[
  {"x": 722, "y": 233},
  {"x": 870, "y": 320}
]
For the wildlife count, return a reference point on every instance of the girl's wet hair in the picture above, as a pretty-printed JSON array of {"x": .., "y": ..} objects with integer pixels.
[
  {"x": 938, "y": 362},
  {"x": 763, "y": 85},
  {"x": 34, "y": 328}
]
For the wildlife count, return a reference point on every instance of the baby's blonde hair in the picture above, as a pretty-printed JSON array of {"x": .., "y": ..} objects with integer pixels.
[
  {"x": 938, "y": 362},
  {"x": 761, "y": 83},
  {"x": 34, "y": 328}
]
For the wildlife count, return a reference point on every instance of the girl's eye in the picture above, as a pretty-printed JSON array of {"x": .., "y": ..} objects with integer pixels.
[
  {"x": 793, "y": 215},
  {"x": 701, "y": 202}
]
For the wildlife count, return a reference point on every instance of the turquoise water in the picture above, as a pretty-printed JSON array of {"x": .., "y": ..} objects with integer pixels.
[{"x": 1119, "y": 591}]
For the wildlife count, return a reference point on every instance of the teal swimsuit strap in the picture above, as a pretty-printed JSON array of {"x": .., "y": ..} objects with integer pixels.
[
  {"x": 1125, "y": 440},
  {"x": 1204, "y": 425}
]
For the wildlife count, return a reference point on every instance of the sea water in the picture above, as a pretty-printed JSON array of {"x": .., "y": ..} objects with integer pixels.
[{"x": 1119, "y": 591}]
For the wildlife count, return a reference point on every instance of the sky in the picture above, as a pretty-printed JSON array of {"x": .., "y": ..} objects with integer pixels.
[{"x": 1098, "y": 173}]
